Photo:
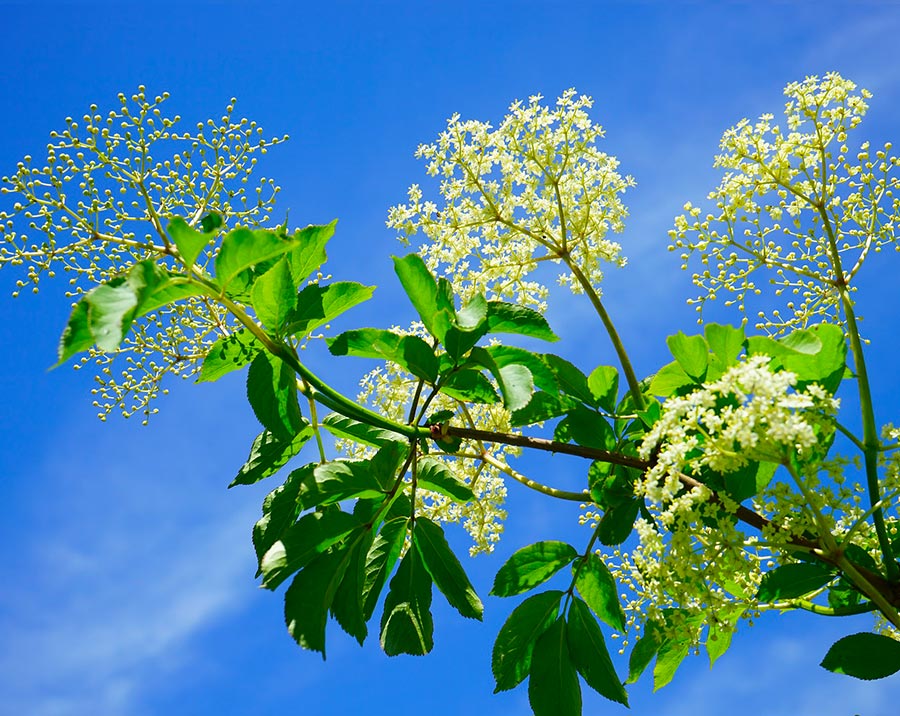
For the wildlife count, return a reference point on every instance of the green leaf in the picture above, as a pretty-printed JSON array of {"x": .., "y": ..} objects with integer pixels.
[
  {"x": 280, "y": 511},
  {"x": 432, "y": 474},
  {"x": 380, "y": 561},
  {"x": 864, "y": 656},
  {"x": 406, "y": 625},
  {"x": 516, "y": 385},
  {"x": 603, "y": 382},
  {"x": 510, "y": 318},
  {"x": 337, "y": 481},
  {"x": 409, "y": 352},
  {"x": 347, "y": 606},
  {"x": 308, "y": 599},
  {"x": 537, "y": 366},
  {"x": 668, "y": 379},
  {"x": 316, "y": 305},
  {"x": 471, "y": 316},
  {"x": 469, "y": 386},
  {"x": 749, "y": 480},
  {"x": 553, "y": 687},
  {"x": 446, "y": 571},
  {"x": 571, "y": 380},
  {"x": 308, "y": 253},
  {"x": 589, "y": 654},
  {"x": 268, "y": 455},
  {"x": 668, "y": 659},
  {"x": 513, "y": 649},
  {"x": 189, "y": 241},
  {"x": 721, "y": 629},
  {"x": 597, "y": 587},
  {"x": 530, "y": 566},
  {"x": 726, "y": 342},
  {"x": 242, "y": 249},
  {"x": 347, "y": 428},
  {"x": 590, "y": 429},
  {"x": 274, "y": 296},
  {"x": 644, "y": 651},
  {"x": 210, "y": 222},
  {"x": 76, "y": 336},
  {"x": 791, "y": 581},
  {"x": 310, "y": 536},
  {"x": 229, "y": 353},
  {"x": 272, "y": 392},
  {"x": 691, "y": 353},
  {"x": 542, "y": 406},
  {"x": 433, "y": 305},
  {"x": 617, "y": 522}
]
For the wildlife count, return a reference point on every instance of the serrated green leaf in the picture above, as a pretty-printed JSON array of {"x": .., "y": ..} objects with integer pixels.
[
  {"x": 587, "y": 649},
  {"x": 445, "y": 569},
  {"x": 553, "y": 686},
  {"x": 433, "y": 475},
  {"x": 406, "y": 625},
  {"x": 669, "y": 379},
  {"x": 514, "y": 646},
  {"x": 791, "y": 581},
  {"x": 691, "y": 353},
  {"x": 590, "y": 429},
  {"x": 309, "y": 598},
  {"x": 570, "y": 379},
  {"x": 669, "y": 657},
  {"x": 280, "y": 510},
  {"x": 721, "y": 629},
  {"x": 469, "y": 386},
  {"x": 544, "y": 378},
  {"x": 542, "y": 406},
  {"x": 308, "y": 252},
  {"x": 516, "y": 385},
  {"x": 618, "y": 522},
  {"x": 748, "y": 480},
  {"x": 514, "y": 319},
  {"x": 243, "y": 249},
  {"x": 597, "y": 587},
  {"x": 317, "y": 305},
  {"x": 432, "y": 304},
  {"x": 643, "y": 652},
  {"x": 274, "y": 296},
  {"x": 189, "y": 241},
  {"x": 726, "y": 342},
  {"x": 603, "y": 382},
  {"x": 347, "y": 606},
  {"x": 409, "y": 352},
  {"x": 310, "y": 536},
  {"x": 347, "y": 428},
  {"x": 337, "y": 481},
  {"x": 380, "y": 561},
  {"x": 530, "y": 566},
  {"x": 864, "y": 656},
  {"x": 229, "y": 353},
  {"x": 272, "y": 392},
  {"x": 268, "y": 455}
]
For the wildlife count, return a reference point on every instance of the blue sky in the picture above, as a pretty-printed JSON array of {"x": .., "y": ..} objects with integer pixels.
[{"x": 127, "y": 566}]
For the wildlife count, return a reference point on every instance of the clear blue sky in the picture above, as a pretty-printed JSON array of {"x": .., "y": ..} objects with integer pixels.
[{"x": 126, "y": 566}]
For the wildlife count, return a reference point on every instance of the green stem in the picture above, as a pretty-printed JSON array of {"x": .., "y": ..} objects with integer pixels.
[
  {"x": 826, "y": 611},
  {"x": 866, "y": 587},
  {"x": 533, "y": 484}
]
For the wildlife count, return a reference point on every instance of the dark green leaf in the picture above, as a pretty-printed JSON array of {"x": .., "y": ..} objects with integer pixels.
[
  {"x": 308, "y": 599},
  {"x": 310, "y": 536},
  {"x": 337, "y": 481},
  {"x": 531, "y": 566},
  {"x": 644, "y": 651},
  {"x": 243, "y": 249},
  {"x": 434, "y": 307},
  {"x": 280, "y": 511},
  {"x": 691, "y": 353},
  {"x": 432, "y": 474},
  {"x": 189, "y": 241},
  {"x": 229, "y": 353},
  {"x": 380, "y": 561},
  {"x": 308, "y": 253},
  {"x": 210, "y": 222},
  {"x": 511, "y": 318},
  {"x": 446, "y": 571},
  {"x": 409, "y": 352},
  {"x": 469, "y": 386},
  {"x": 272, "y": 392},
  {"x": 268, "y": 455},
  {"x": 590, "y": 656},
  {"x": 316, "y": 305},
  {"x": 864, "y": 656},
  {"x": 347, "y": 606},
  {"x": 597, "y": 586},
  {"x": 553, "y": 687},
  {"x": 512, "y": 653},
  {"x": 347, "y": 428},
  {"x": 603, "y": 382},
  {"x": 406, "y": 625},
  {"x": 749, "y": 480},
  {"x": 588, "y": 428},
  {"x": 571, "y": 380},
  {"x": 544, "y": 378},
  {"x": 791, "y": 581},
  {"x": 541, "y": 407},
  {"x": 617, "y": 522},
  {"x": 274, "y": 296}
]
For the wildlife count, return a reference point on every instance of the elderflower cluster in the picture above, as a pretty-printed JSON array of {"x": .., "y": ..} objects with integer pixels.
[
  {"x": 389, "y": 390},
  {"x": 99, "y": 204},
  {"x": 534, "y": 189},
  {"x": 796, "y": 205}
]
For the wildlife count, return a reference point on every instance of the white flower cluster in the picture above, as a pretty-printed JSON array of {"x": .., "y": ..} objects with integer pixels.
[
  {"x": 750, "y": 413},
  {"x": 796, "y": 203},
  {"x": 534, "y": 189}
]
